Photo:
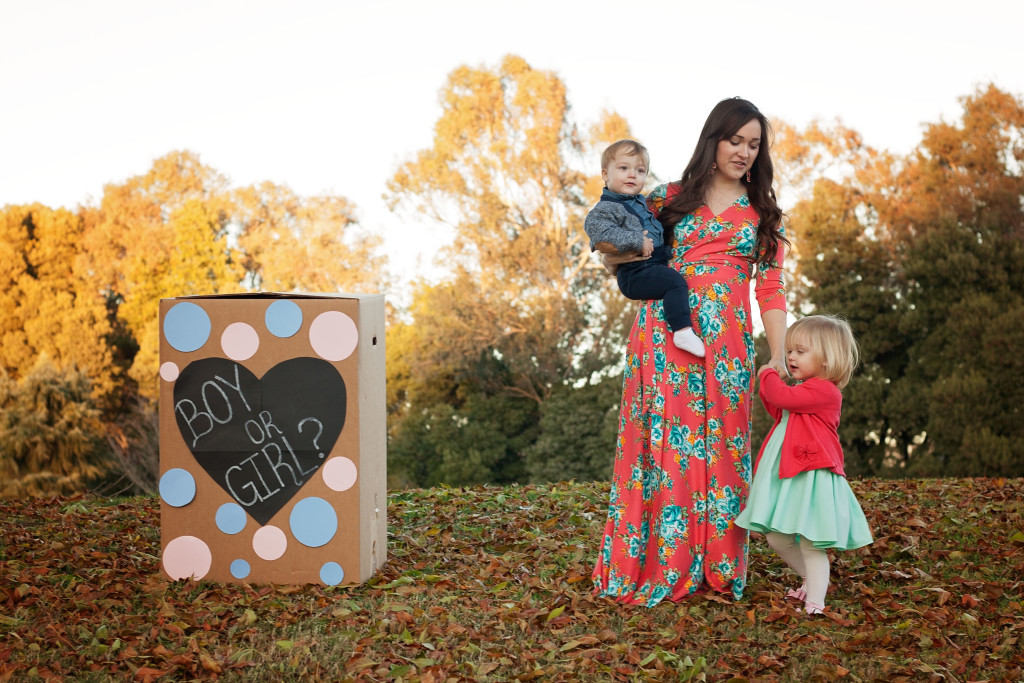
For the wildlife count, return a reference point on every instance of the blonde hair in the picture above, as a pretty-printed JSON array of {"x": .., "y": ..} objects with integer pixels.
[
  {"x": 831, "y": 341},
  {"x": 627, "y": 147}
]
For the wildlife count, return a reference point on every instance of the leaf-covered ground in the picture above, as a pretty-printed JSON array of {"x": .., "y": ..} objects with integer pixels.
[{"x": 492, "y": 584}]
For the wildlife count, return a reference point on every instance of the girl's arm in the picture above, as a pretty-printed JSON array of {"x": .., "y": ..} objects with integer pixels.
[
  {"x": 810, "y": 397},
  {"x": 771, "y": 408}
]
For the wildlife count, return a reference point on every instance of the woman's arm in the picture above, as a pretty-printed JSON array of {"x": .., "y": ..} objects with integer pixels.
[
  {"x": 613, "y": 261},
  {"x": 770, "y": 293},
  {"x": 774, "y": 321}
]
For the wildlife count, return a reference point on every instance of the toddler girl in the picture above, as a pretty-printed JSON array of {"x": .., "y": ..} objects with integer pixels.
[{"x": 799, "y": 496}]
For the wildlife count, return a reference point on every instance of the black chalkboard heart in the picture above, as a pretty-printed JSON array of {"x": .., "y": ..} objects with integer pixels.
[{"x": 260, "y": 439}]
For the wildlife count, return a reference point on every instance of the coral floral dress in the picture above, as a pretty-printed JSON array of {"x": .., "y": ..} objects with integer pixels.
[{"x": 682, "y": 458}]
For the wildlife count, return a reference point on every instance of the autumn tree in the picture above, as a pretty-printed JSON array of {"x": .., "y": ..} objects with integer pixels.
[
  {"x": 51, "y": 434},
  {"x": 925, "y": 256},
  {"x": 195, "y": 260},
  {"x": 48, "y": 307},
  {"x": 181, "y": 229},
  {"x": 313, "y": 244},
  {"x": 964, "y": 235},
  {"x": 160, "y": 234},
  {"x": 522, "y": 310}
]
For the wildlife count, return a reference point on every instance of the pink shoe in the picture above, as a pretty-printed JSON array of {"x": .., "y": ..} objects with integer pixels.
[
  {"x": 812, "y": 608},
  {"x": 798, "y": 594}
]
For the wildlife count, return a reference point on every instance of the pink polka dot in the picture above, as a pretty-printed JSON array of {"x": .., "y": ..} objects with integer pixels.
[
  {"x": 169, "y": 371},
  {"x": 333, "y": 335},
  {"x": 187, "y": 556},
  {"x": 269, "y": 542},
  {"x": 339, "y": 473},
  {"x": 239, "y": 341}
]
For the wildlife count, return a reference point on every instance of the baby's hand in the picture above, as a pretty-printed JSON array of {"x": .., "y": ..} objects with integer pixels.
[
  {"x": 761, "y": 370},
  {"x": 648, "y": 245}
]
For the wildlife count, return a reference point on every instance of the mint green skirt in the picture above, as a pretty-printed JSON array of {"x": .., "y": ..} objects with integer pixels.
[{"x": 819, "y": 505}]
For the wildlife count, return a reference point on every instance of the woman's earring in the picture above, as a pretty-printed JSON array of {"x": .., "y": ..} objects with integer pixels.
[
  {"x": 713, "y": 167},
  {"x": 748, "y": 176}
]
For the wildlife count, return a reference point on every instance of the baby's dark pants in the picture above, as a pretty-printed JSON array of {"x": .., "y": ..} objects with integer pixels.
[{"x": 655, "y": 279}]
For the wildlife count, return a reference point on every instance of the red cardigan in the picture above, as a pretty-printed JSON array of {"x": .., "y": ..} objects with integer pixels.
[{"x": 812, "y": 433}]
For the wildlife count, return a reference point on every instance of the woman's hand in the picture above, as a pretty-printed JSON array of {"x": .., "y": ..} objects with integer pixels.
[
  {"x": 775, "y": 329},
  {"x": 779, "y": 365},
  {"x": 775, "y": 365},
  {"x": 612, "y": 260}
]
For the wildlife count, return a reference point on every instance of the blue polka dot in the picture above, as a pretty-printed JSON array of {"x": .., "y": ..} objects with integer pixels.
[
  {"x": 283, "y": 318},
  {"x": 313, "y": 521},
  {"x": 186, "y": 327},
  {"x": 240, "y": 569},
  {"x": 177, "y": 487},
  {"x": 332, "y": 574},
  {"x": 230, "y": 518}
]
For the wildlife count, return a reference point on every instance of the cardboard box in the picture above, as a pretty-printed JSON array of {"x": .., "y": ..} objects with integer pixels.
[{"x": 273, "y": 451}]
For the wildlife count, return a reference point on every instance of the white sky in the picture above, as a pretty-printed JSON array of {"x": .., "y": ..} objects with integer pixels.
[{"x": 333, "y": 95}]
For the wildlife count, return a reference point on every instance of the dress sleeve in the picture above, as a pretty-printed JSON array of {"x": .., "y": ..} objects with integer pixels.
[
  {"x": 769, "y": 289},
  {"x": 656, "y": 199}
]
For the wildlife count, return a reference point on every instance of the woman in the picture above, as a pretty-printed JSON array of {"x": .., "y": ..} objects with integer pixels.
[{"x": 682, "y": 460}]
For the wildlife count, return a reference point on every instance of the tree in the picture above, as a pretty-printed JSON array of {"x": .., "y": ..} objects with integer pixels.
[
  {"x": 445, "y": 425},
  {"x": 965, "y": 236},
  {"x": 846, "y": 273},
  {"x": 180, "y": 229},
  {"x": 195, "y": 260},
  {"x": 974, "y": 416},
  {"x": 523, "y": 309},
  {"x": 310, "y": 245},
  {"x": 501, "y": 174},
  {"x": 480, "y": 442},
  {"x": 50, "y": 432},
  {"x": 578, "y": 428},
  {"x": 47, "y": 307},
  {"x": 160, "y": 234},
  {"x": 130, "y": 226},
  {"x": 925, "y": 256},
  {"x": 821, "y": 150},
  {"x": 83, "y": 290}
]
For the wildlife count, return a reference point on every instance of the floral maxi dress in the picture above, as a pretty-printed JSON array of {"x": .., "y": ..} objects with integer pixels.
[{"x": 682, "y": 458}]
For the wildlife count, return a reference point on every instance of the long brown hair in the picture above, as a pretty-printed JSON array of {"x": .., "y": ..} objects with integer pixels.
[{"x": 723, "y": 122}]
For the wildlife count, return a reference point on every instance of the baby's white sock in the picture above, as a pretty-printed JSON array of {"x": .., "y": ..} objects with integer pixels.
[{"x": 686, "y": 340}]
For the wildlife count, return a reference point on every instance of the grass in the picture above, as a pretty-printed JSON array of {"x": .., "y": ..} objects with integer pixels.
[{"x": 493, "y": 584}]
